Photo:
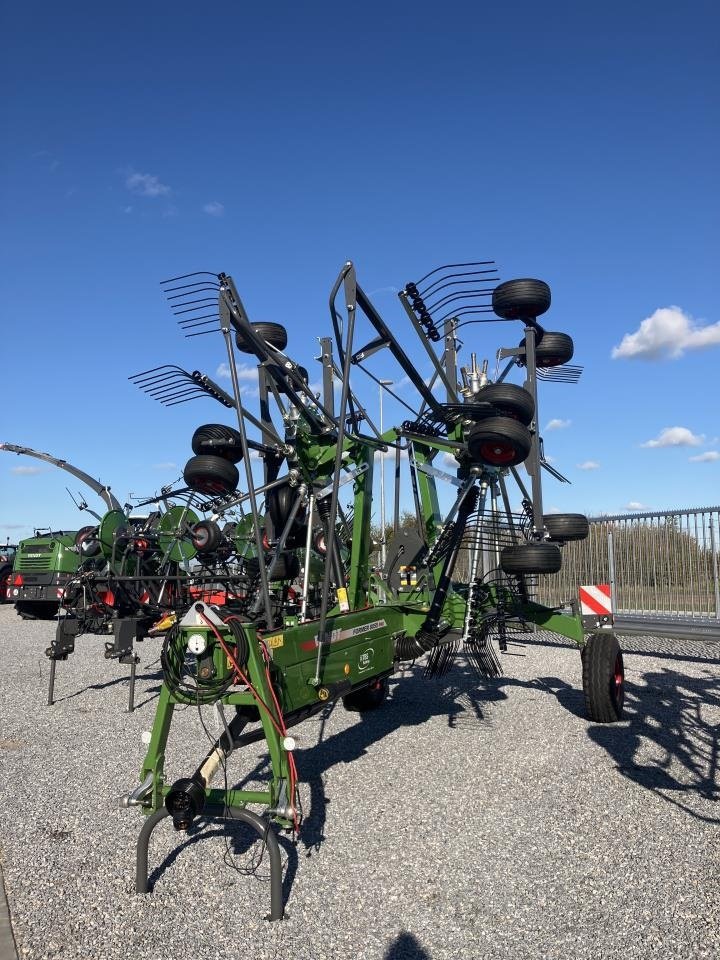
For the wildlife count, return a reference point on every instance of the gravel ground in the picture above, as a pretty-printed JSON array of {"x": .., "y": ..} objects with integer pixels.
[{"x": 466, "y": 819}]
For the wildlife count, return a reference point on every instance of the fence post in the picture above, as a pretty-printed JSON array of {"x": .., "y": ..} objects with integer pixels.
[
  {"x": 713, "y": 550},
  {"x": 611, "y": 569}
]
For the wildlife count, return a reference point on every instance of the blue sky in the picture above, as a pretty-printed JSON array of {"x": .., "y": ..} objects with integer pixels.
[{"x": 577, "y": 143}]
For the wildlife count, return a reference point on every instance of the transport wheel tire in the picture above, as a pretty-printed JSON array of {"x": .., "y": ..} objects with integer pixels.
[
  {"x": 509, "y": 400},
  {"x": 523, "y": 299},
  {"x": 369, "y": 698},
  {"x": 37, "y": 609},
  {"x": 603, "y": 674},
  {"x": 499, "y": 442},
  {"x": 206, "y": 536},
  {"x": 553, "y": 349},
  {"x": 525, "y": 558},
  {"x": 318, "y": 542},
  {"x": 273, "y": 333},
  {"x": 279, "y": 502},
  {"x": 219, "y": 440},
  {"x": 563, "y": 527},
  {"x": 211, "y": 474}
]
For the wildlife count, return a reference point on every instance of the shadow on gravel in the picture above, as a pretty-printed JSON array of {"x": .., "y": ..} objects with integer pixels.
[
  {"x": 406, "y": 947},
  {"x": 670, "y": 747},
  {"x": 113, "y": 683}
]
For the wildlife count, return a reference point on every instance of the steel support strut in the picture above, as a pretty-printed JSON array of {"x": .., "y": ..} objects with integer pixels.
[{"x": 258, "y": 823}]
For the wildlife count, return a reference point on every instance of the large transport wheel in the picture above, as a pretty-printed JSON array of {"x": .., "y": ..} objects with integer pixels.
[
  {"x": 211, "y": 474},
  {"x": 499, "y": 442},
  {"x": 521, "y": 299},
  {"x": 525, "y": 558},
  {"x": 217, "y": 439},
  {"x": 509, "y": 400},
  {"x": 603, "y": 674},
  {"x": 552, "y": 349},
  {"x": 279, "y": 502},
  {"x": 273, "y": 333},
  {"x": 563, "y": 527},
  {"x": 368, "y": 698},
  {"x": 37, "y": 609}
]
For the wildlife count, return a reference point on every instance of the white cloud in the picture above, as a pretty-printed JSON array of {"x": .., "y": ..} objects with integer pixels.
[
  {"x": 669, "y": 332},
  {"x": 243, "y": 372},
  {"x": 146, "y": 185},
  {"x": 635, "y": 505},
  {"x": 165, "y": 466},
  {"x": 675, "y": 437},
  {"x": 710, "y": 456},
  {"x": 558, "y": 424},
  {"x": 214, "y": 209},
  {"x": 27, "y": 471},
  {"x": 588, "y": 465}
]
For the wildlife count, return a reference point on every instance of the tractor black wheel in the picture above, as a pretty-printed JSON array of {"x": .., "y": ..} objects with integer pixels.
[
  {"x": 563, "y": 527},
  {"x": 499, "y": 442},
  {"x": 206, "y": 536},
  {"x": 603, "y": 675},
  {"x": 279, "y": 502},
  {"x": 368, "y": 698},
  {"x": 211, "y": 475},
  {"x": 509, "y": 400},
  {"x": 219, "y": 440},
  {"x": 87, "y": 543},
  {"x": 553, "y": 349},
  {"x": 273, "y": 333},
  {"x": 525, "y": 558},
  {"x": 521, "y": 299},
  {"x": 37, "y": 609}
]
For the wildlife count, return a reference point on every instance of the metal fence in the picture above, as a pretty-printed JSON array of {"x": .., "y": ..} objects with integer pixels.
[{"x": 661, "y": 564}]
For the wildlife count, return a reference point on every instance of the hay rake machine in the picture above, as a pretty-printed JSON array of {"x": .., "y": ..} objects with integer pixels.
[{"x": 283, "y": 611}]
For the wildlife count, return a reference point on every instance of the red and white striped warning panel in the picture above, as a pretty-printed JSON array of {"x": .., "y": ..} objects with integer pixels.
[{"x": 595, "y": 599}]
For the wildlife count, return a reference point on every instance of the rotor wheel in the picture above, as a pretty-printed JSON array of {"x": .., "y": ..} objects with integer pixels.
[
  {"x": 219, "y": 440},
  {"x": 206, "y": 536},
  {"x": 499, "y": 442},
  {"x": 603, "y": 673},
  {"x": 524, "y": 558},
  {"x": 87, "y": 543},
  {"x": 273, "y": 334},
  {"x": 211, "y": 475},
  {"x": 175, "y": 532},
  {"x": 523, "y": 299}
]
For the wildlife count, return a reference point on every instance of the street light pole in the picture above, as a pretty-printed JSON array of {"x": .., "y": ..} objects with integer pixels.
[{"x": 383, "y": 383}]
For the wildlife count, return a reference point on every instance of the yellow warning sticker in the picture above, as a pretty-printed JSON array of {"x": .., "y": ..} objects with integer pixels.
[{"x": 274, "y": 642}]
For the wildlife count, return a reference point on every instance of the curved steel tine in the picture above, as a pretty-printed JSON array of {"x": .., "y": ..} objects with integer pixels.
[{"x": 451, "y": 266}]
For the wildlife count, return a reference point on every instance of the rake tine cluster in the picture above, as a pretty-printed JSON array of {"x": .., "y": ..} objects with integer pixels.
[
  {"x": 441, "y": 659},
  {"x": 567, "y": 373},
  {"x": 185, "y": 298},
  {"x": 458, "y": 301},
  {"x": 172, "y": 385}
]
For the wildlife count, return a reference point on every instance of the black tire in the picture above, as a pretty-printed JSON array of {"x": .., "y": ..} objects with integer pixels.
[
  {"x": 279, "y": 502},
  {"x": 525, "y": 558},
  {"x": 37, "y": 609},
  {"x": 553, "y": 349},
  {"x": 273, "y": 333},
  {"x": 509, "y": 400},
  {"x": 563, "y": 527},
  {"x": 211, "y": 475},
  {"x": 603, "y": 674},
  {"x": 206, "y": 536},
  {"x": 368, "y": 698},
  {"x": 87, "y": 543},
  {"x": 219, "y": 440},
  {"x": 499, "y": 442},
  {"x": 521, "y": 299},
  {"x": 318, "y": 542}
]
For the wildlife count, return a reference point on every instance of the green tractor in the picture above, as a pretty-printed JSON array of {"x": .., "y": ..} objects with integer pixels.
[{"x": 42, "y": 568}]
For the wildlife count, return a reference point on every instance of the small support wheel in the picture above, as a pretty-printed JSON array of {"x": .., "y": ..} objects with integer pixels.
[
  {"x": 563, "y": 527},
  {"x": 499, "y": 442},
  {"x": 603, "y": 674},
  {"x": 219, "y": 440},
  {"x": 523, "y": 299},
  {"x": 273, "y": 334},
  {"x": 509, "y": 400},
  {"x": 523, "y": 558},
  {"x": 552, "y": 349},
  {"x": 211, "y": 475}
]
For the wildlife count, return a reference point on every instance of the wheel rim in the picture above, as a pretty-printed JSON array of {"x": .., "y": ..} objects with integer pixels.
[{"x": 496, "y": 452}]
